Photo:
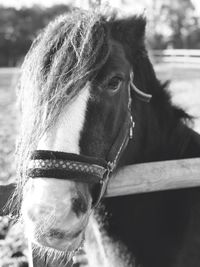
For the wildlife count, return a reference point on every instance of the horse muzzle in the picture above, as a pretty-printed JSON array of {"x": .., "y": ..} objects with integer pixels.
[{"x": 56, "y": 212}]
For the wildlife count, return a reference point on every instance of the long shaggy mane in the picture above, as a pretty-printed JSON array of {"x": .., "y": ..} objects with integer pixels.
[{"x": 65, "y": 55}]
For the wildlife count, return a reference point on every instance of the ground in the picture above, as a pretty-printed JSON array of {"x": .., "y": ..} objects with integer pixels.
[
  {"x": 12, "y": 245},
  {"x": 185, "y": 89}
]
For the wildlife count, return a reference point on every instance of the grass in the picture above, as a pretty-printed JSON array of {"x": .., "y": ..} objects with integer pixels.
[
  {"x": 13, "y": 248},
  {"x": 8, "y": 121},
  {"x": 185, "y": 89}
]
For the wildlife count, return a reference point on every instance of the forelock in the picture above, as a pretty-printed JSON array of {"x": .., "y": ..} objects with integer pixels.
[{"x": 65, "y": 55}]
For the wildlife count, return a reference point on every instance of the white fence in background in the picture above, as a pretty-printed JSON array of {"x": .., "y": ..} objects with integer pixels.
[{"x": 176, "y": 56}]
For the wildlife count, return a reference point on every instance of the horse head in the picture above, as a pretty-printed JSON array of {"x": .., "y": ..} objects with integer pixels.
[{"x": 76, "y": 96}]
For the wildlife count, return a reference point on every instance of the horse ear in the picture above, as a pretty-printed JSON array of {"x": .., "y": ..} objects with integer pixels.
[{"x": 129, "y": 30}]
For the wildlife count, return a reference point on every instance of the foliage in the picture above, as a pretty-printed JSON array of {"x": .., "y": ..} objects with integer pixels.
[
  {"x": 174, "y": 24},
  {"x": 18, "y": 28}
]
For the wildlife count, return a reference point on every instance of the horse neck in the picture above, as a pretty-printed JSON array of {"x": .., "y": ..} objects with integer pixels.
[
  {"x": 160, "y": 133},
  {"x": 157, "y": 139}
]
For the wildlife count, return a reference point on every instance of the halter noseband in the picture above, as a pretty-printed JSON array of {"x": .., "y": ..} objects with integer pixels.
[{"x": 81, "y": 168}]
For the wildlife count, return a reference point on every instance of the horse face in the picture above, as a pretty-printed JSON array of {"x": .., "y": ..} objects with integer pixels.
[{"x": 56, "y": 212}]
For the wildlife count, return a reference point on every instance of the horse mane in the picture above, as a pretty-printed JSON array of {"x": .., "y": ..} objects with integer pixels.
[
  {"x": 131, "y": 33},
  {"x": 166, "y": 129}
]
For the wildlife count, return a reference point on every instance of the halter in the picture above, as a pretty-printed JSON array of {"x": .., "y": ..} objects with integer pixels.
[{"x": 84, "y": 169}]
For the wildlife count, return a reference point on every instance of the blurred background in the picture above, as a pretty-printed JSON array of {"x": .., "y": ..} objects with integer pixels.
[
  {"x": 171, "y": 24},
  {"x": 173, "y": 41}
]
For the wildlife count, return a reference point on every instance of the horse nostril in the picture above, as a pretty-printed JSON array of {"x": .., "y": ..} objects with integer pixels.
[{"x": 79, "y": 206}]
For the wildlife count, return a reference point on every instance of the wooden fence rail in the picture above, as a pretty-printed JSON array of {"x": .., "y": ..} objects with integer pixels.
[
  {"x": 177, "y": 56},
  {"x": 155, "y": 176}
]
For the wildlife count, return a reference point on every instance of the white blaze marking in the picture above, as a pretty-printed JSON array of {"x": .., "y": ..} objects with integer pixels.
[{"x": 65, "y": 134}]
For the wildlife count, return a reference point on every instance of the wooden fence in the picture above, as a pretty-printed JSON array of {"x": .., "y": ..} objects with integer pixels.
[
  {"x": 189, "y": 56},
  {"x": 155, "y": 176}
]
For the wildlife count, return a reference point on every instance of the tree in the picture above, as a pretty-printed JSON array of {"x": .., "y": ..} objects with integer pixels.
[
  {"x": 173, "y": 23},
  {"x": 18, "y": 28}
]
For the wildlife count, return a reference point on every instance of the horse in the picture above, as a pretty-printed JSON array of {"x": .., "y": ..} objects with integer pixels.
[{"x": 91, "y": 103}]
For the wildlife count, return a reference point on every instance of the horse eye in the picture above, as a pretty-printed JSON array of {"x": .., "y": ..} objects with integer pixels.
[{"x": 115, "y": 83}]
